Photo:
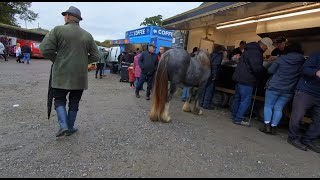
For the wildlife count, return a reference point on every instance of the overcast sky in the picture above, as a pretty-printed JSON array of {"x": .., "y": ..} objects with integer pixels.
[{"x": 106, "y": 20}]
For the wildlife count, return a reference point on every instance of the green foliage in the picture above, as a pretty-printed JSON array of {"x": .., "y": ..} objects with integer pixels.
[
  {"x": 9, "y": 11},
  {"x": 105, "y": 43},
  {"x": 152, "y": 21}
]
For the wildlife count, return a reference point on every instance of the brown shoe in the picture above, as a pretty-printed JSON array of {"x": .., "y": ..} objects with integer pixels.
[{"x": 148, "y": 98}]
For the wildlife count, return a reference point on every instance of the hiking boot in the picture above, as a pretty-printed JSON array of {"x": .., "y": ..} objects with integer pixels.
[
  {"x": 266, "y": 128},
  {"x": 62, "y": 132},
  {"x": 148, "y": 98},
  {"x": 274, "y": 130},
  {"x": 296, "y": 143},
  {"x": 312, "y": 146},
  {"x": 242, "y": 123},
  {"x": 71, "y": 131},
  {"x": 137, "y": 94}
]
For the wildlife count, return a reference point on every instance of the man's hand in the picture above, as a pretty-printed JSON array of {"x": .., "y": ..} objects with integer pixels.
[{"x": 318, "y": 73}]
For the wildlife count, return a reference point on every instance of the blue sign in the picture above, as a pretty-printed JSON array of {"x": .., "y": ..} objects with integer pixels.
[
  {"x": 153, "y": 40},
  {"x": 138, "y": 32},
  {"x": 162, "y": 32}
]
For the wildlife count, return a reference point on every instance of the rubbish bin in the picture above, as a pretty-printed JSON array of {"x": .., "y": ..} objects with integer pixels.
[{"x": 114, "y": 68}]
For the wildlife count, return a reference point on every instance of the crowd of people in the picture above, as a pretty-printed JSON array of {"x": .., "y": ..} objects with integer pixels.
[
  {"x": 293, "y": 77},
  {"x": 22, "y": 53}
]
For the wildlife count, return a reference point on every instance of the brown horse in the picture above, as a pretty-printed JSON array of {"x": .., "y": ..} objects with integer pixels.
[{"x": 177, "y": 66}]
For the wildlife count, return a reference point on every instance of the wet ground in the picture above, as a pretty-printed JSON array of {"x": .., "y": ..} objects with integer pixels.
[{"x": 116, "y": 138}]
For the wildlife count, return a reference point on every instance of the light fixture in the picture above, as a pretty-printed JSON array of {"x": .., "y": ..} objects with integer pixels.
[
  {"x": 289, "y": 15},
  {"x": 237, "y": 24},
  {"x": 270, "y": 18}
]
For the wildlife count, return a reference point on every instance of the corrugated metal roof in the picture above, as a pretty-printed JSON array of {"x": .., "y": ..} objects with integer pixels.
[
  {"x": 21, "y": 29},
  {"x": 203, "y": 10}
]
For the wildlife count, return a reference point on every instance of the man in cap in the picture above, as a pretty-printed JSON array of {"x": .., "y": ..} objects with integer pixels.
[
  {"x": 248, "y": 71},
  {"x": 71, "y": 49},
  {"x": 281, "y": 43},
  {"x": 148, "y": 63}
]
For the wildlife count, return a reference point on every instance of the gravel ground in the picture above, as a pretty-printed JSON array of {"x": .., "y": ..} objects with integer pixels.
[{"x": 116, "y": 138}]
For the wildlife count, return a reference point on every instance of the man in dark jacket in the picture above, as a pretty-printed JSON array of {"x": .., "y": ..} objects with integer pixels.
[
  {"x": 148, "y": 63},
  {"x": 71, "y": 49},
  {"x": 247, "y": 72},
  {"x": 208, "y": 93},
  {"x": 237, "y": 52},
  {"x": 281, "y": 48},
  {"x": 26, "y": 51},
  {"x": 307, "y": 97}
]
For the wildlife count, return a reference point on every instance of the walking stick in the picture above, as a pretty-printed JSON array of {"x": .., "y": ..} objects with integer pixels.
[{"x": 254, "y": 100}]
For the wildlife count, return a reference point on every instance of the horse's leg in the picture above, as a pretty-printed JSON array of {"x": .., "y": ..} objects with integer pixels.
[
  {"x": 196, "y": 108},
  {"x": 186, "y": 105},
  {"x": 165, "y": 115}
]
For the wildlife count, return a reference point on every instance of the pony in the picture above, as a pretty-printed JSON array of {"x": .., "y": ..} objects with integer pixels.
[{"x": 178, "y": 67}]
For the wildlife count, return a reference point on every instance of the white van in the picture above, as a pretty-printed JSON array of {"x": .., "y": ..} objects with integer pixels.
[
  {"x": 112, "y": 60},
  {"x": 113, "y": 56}
]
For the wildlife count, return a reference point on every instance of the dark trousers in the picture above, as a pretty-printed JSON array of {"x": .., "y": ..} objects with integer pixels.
[
  {"x": 4, "y": 56},
  {"x": 144, "y": 78},
  {"x": 60, "y": 98},
  {"x": 302, "y": 102},
  {"x": 99, "y": 68}
]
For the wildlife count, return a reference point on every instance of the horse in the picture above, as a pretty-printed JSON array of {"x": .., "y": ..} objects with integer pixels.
[{"x": 178, "y": 67}]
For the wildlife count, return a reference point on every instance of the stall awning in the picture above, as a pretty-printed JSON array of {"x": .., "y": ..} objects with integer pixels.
[{"x": 120, "y": 41}]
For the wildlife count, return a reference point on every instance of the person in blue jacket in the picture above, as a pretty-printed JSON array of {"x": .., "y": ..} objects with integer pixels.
[
  {"x": 208, "y": 93},
  {"x": 280, "y": 87},
  {"x": 307, "y": 97}
]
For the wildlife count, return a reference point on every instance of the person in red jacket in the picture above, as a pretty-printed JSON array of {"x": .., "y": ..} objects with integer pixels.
[{"x": 131, "y": 75}]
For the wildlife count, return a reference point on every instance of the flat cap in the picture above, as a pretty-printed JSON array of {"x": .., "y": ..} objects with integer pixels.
[{"x": 73, "y": 11}]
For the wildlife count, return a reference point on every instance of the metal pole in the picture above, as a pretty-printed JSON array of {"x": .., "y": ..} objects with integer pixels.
[{"x": 254, "y": 99}]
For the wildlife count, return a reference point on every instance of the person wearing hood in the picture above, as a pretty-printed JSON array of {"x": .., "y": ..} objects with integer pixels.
[
  {"x": 280, "y": 87},
  {"x": 306, "y": 98},
  {"x": 208, "y": 93},
  {"x": 246, "y": 75}
]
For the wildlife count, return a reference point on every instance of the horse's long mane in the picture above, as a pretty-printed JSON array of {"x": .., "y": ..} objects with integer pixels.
[{"x": 203, "y": 57}]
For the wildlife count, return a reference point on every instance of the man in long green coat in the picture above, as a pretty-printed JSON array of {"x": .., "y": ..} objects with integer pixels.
[{"x": 71, "y": 49}]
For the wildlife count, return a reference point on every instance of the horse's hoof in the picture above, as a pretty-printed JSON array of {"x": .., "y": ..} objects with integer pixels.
[
  {"x": 152, "y": 118},
  {"x": 166, "y": 120},
  {"x": 186, "y": 107}
]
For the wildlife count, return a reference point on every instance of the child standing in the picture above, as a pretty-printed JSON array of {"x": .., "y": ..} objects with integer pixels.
[
  {"x": 18, "y": 53},
  {"x": 131, "y": 75}
]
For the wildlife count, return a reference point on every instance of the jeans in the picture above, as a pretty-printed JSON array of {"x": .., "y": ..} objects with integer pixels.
[
  {"x": 206, "y": 98},
  {"x": 26, "y": 57},
  {"x": 136, "y": 81},
  {"x": 273, "y": 106},
  {"x": 302, "y": 102},
  {"x": 144, "y": 78},
  {"x": 185, "y": 92},
  {"x": 241, "y": 101},
  {"x": 60, "y": 98}
]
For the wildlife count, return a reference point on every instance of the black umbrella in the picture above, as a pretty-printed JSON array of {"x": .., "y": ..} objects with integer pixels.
[{"x": 50, "y": 94}]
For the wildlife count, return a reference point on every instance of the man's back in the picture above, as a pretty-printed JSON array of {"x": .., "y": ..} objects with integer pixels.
[
  {"x": 73, "y": 46},
  {"x": 250, "y": 66}
]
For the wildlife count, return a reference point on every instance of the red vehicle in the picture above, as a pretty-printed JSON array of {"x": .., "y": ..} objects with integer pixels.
[{"x": 35, "y": 51}]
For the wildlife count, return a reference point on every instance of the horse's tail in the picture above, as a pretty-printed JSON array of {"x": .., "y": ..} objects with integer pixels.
[{"x": 160, "y": 90}]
